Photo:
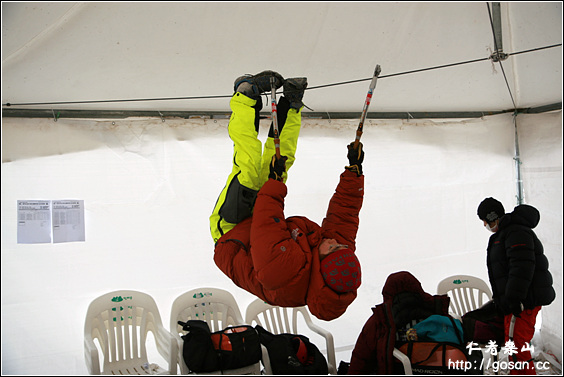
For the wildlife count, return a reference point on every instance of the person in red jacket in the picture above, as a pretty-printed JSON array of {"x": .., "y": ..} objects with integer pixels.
[{"x": 292, "y": 261}]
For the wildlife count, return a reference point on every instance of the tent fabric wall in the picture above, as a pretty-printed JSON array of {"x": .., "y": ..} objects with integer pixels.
[
  {"x": 540, "y": 140},
  {"x": 149, "y": 187}
]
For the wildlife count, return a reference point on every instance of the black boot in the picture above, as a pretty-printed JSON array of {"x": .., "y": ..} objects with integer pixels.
[
  {"x": 294, "y": 91},
  {"x": 254, "y": 85}
]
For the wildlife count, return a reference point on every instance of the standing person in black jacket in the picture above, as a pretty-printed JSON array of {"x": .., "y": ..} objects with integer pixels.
[{"x": 518, "y": 272}]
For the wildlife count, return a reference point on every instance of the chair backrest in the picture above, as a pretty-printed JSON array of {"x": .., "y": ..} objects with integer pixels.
[
  {"x": 280, "y": 320},
  {"x": 120, "y": 321},
  {"x": 215, "y": 306},
  {"x": 275, "y": 319},
  {"x": 466, "y": 293}
]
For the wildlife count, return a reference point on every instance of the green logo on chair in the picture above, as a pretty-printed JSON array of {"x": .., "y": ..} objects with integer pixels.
[
  {"x": 120, "y": 298},
  {"x": 458, "y": 281},
  {"x": 200, "y": 295}
]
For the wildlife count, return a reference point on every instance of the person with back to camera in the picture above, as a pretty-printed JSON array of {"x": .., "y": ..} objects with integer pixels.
[
  {"x": 518, "y": 272},
  {"x": 404, "y": 301},
  {"x": 288, "y": 262}
]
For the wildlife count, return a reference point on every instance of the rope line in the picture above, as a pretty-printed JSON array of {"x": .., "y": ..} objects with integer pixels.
[
  {"x": 400, "y": 73},
  {"x": 310, "y": 88}
]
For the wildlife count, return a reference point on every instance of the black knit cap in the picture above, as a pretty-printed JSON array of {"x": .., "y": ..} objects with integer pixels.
[{"x": 490, "y": 210}]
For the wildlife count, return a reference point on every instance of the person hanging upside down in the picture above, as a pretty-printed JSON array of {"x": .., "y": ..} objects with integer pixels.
[{"x": 288, "y": 262}]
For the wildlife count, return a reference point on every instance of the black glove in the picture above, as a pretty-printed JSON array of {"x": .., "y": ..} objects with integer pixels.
[
  {"x": 355, "y": 156},
  {"x": 515, "y": 308},
  {"x": 277, "y": 167}
]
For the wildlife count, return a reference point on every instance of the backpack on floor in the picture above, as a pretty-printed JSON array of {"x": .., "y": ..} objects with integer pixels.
[
  {"x": 231, "y": 348},
  {"x": 292, "y": 353}
]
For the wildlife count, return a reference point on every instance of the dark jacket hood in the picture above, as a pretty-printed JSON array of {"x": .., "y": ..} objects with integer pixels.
[
  {"x": 407, "y": 300},
  {"x": 400, "y": 282},
  {"x": 523, "y": 214}
]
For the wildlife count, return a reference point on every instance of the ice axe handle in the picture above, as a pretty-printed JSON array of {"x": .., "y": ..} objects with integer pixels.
[
  {"x": 276, "y": 135},
  {"x": 512, "y": 326},
  {"x": 512, "y": 323},
  {"x": 377, "y": 71}
]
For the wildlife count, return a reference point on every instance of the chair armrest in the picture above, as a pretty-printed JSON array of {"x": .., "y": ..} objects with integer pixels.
[
  {"x": 180, "y": 358},
  {"x": 167, "y": 345},
  {"x": 404, "y": 360},
  {"x": 329, "y": 343},
  {"x": 266, "y": 360},
  {"x": 91, "y": 356}
]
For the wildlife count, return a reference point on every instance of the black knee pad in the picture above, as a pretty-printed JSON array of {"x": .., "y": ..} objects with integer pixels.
[{"x": 239, "y": 202}]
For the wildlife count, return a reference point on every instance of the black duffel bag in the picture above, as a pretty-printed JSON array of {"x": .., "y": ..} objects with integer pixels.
[
  {"x": 292, "y": 354},
  {"x": 231, "y": 348}
]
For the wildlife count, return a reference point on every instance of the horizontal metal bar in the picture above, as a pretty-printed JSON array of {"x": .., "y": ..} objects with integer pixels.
[{"x": 123, "y": 114}]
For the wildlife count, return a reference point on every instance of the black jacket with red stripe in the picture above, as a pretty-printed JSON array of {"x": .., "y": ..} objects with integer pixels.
[{"x": 517, "y": 267}]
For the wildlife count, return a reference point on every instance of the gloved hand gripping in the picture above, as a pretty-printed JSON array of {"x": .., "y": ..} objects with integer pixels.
[
  {"x": 277, "y": 167},
  {"x": 356, "y": 157}
]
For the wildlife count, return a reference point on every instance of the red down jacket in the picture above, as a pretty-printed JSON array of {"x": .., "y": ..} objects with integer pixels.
[{"x": 277, "y": 258}]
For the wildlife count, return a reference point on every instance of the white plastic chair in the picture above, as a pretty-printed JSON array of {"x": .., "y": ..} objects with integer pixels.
[
  {"x": 215, "y": 306},
  {"x": 279, "y": 320},
  {"x": 120, "y": 322},
  {"x": 466, "y": 293}
]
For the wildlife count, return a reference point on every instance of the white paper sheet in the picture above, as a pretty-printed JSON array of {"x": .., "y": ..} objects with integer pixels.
[
  {"x": 68, "y": 221},
  {"x": 34, "y": 221}
]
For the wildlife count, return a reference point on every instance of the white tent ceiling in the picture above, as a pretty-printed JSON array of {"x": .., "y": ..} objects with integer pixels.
[{"x": 73, "y": 52}]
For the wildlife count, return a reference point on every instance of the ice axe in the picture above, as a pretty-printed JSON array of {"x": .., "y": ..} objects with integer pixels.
[
  {"x": 276, "y": 135},
  {"x": 366, "y": 104},
  {"x": 512, "y": 329},
  {"x": 512, "y": 323}
]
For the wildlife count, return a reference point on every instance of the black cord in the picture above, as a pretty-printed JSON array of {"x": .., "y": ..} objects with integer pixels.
[{"x": 310, "y": 88}]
